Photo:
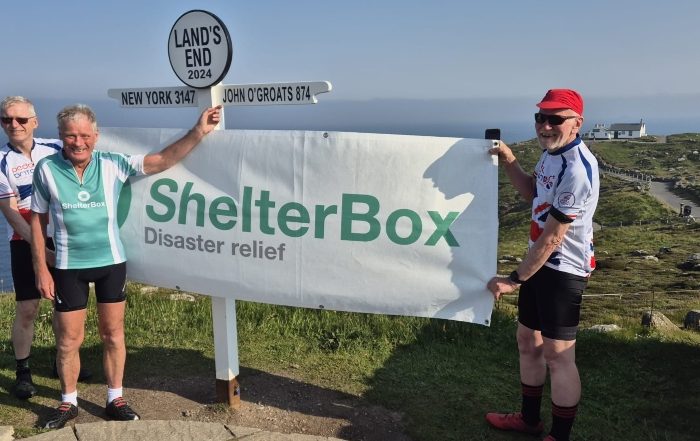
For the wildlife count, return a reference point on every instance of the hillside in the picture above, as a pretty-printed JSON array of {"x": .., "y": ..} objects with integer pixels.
[
  {"x": 677, "y": 160},
  {"x": 673, "y": 158},
  {"x": 643, "y": 247}
]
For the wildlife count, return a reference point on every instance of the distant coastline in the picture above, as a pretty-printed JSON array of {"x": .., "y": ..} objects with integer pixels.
[
  {"x": 463, "y": 118},
  {"x": 5, "y": 269}
]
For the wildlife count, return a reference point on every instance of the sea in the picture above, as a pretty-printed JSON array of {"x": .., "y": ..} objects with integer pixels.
[{"x": 5, "y": 270}]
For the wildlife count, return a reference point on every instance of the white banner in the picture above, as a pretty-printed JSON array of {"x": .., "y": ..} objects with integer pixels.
[{"x": 389, "y": 224}]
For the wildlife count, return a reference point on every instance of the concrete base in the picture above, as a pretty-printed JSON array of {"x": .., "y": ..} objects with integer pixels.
[
  {"x": 6, "y": 433},
  {"x": 229, "y": 391}
]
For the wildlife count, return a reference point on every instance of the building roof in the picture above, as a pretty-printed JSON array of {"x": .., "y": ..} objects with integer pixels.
[{"x": 627, "y": 126}]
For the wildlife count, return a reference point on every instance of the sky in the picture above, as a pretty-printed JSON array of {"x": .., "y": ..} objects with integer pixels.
[{"x": 439, "y": 67}]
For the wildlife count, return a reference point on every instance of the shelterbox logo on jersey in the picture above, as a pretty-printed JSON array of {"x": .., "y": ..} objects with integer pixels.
[
  {"x": 79, "y": 205},
  {"x": 359, "y": 215},
  {"x": 83, "y": 196}
]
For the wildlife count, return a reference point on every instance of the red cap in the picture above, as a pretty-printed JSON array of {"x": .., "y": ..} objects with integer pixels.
[{"x": 562, "y": 99}]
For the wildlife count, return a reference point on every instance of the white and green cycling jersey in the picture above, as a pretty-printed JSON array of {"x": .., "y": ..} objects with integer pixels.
[{"x": 84, "y": 213}]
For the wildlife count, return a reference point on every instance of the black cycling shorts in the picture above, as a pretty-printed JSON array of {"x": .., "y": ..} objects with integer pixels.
[
  {"x": 550, "y": 302},
  {"x": 72, "y": 286},
  {"x": 23, "y": 270}
]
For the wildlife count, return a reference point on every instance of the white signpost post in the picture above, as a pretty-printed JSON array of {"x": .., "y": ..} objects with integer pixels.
[{"x": 200, "y": 52}]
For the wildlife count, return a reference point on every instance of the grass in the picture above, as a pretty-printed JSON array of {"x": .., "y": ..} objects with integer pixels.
[
  {"x": 661, "y": 160},
  {"x": 677, "y": 159},
  {"x": 638, "y": 384},
  {"x": 441, "y": 375}
]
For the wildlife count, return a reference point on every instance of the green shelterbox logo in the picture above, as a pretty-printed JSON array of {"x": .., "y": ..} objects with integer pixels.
[{"x": 359, "y": 215}]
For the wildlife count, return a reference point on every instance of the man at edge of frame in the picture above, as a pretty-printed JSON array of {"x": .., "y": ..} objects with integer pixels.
[
  {"x": 17, "y": 159},
  {"x": 552, "y": 277}
]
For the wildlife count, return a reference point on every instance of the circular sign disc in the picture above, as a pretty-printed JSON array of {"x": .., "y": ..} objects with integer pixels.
[{"x": 200, "y": 49}]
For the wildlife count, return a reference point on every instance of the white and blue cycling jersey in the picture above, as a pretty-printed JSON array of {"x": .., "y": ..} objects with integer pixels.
[
  {"x": 16, "y": 172},
  {"x": 566, "y": 186}
]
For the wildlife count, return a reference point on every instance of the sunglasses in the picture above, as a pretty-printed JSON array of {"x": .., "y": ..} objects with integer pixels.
[
  {"x": 20, "y": 119},
  {"x": 553, "y": 120}
]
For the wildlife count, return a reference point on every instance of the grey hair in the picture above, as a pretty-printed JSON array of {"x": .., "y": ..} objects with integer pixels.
[
  {"x": 72, "y": 113},
  {"x": 12, "y": 100}
]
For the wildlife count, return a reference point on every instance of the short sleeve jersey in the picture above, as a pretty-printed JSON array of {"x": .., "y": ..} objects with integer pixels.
[
  {"x": 567, "y": 181},
  {"x": 16, "y": 171},
  {"x": 84, "y": 213}
]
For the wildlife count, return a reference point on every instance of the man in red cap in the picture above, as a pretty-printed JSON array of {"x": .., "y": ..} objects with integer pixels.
[{"x": 552, "y": 277}]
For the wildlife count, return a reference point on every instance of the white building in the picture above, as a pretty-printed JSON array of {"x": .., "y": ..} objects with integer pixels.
[
  {"x": 617, "y": 131},
  {"x": 627, "y": 131},
  {"x": 599, "y": 131}
]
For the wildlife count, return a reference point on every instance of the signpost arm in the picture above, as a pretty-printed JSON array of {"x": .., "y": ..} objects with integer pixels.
[{"x": 223, "y": 308}]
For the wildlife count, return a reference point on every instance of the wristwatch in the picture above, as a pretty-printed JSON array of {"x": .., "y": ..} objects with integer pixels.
[{"x": 515, "y": 278}]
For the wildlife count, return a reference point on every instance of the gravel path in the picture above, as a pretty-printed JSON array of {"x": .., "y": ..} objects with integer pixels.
[{"x": 661, "y": 191}]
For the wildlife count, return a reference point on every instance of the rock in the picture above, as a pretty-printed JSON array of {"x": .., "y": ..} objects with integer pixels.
[
  {"x": 691, "y": 264},
  {"x": 657, "y": 320},
  {"x": 604, "y": 328},
  {"x": 692, "y": 320},
  {"x": 688, "y": 266},
  {"x": 651, "y": 258},
  {"x": 183, "y": 297},
  {"x": 664, "y": 250},
  {"x": 640, "y": 253},
  {"x": 148, "y": 289},
  {"x": 508, "y": 258}
]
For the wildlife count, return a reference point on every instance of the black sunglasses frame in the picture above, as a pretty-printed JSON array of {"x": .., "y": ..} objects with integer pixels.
[
  {"x": 20, "y": 119},
  {"x": 553, "y": 120}
]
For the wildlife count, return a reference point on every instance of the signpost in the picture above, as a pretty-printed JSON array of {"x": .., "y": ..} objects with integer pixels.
[
  {"x": 200, "y": 52},
  {"x": 303, "y": 92},
  {"x": 200, "y": 49}
]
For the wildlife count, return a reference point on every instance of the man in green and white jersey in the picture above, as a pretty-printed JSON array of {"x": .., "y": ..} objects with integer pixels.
[
  {"x": 81, "y": 208},
  {"x": 78, "y": 188}
]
